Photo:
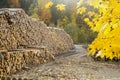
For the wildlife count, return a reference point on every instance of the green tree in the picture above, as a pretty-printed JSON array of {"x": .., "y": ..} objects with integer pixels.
[
  {"x": 28, "y": 5},
  {"x": 4, "y": 3}
]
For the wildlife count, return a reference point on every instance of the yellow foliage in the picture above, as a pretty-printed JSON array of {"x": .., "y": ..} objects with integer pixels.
[
  {"x": 94, "y": 3},
  {"x": 81, "y": 10},
  {"x": 60, "y": 7},
  {"x": 79, "y": 3},
  {"x": 90, "y": 14},
  {"x": 35, "y": 15},
  {"x": 49, "y": 5},
  {"x": 86, "y": 20},
  {"x": 107, "y": 23}
]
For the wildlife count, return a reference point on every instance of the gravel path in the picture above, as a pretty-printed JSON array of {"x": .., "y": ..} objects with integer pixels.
[{"x": 75, "y": 65}]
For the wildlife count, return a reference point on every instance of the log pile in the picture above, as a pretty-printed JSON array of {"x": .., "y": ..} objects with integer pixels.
[
  {"x": 12, "y": 61},
  {"x": 24, "y": 40}
]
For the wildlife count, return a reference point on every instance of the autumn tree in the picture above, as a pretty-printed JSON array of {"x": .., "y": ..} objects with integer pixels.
[
  {"x": 14, "y": 3},
  {"x": 42, "y": 11},
  {"x": 9, "y": 3},
  {"x": 106, "y": 23}
]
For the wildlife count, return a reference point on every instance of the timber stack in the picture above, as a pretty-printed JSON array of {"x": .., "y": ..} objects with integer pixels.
[{"x": 27, "y": 41}]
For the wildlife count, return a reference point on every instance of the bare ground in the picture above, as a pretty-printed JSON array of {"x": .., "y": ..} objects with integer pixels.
[{"x": 75, "y": 65}]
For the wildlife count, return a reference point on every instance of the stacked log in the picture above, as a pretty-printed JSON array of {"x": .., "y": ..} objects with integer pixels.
[
  {"x": 12, "y": 61},
  {"x": 24, "y": 41}
]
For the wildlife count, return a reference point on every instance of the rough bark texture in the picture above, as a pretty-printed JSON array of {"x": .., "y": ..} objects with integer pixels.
[{"x": 24, "y": 40}]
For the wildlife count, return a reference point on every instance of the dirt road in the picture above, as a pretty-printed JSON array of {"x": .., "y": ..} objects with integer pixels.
[{"x": 73, "y": 66}]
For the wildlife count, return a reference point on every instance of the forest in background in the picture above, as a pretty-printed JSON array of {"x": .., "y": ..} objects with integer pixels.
[{"x": 68, "y": 20}]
